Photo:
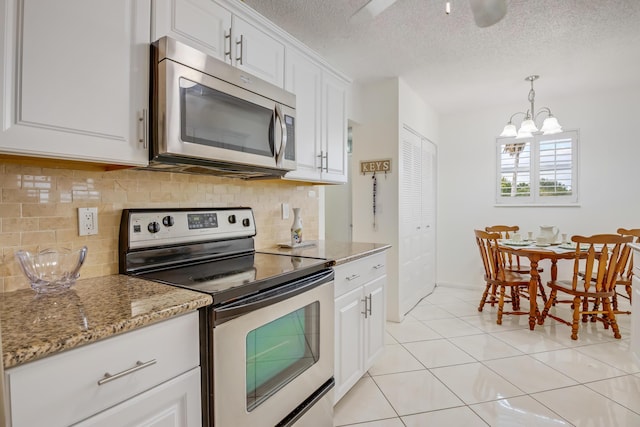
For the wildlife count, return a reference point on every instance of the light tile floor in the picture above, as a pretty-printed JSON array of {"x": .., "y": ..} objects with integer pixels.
[{"x": 449, "y": 365}]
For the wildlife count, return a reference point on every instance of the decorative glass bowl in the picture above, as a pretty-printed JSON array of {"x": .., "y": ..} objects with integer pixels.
[{"x": 52, "y": 270}]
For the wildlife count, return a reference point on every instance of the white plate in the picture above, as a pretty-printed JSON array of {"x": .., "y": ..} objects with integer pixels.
[
  {"x": 514, "y": 243},
  {"x": 572, "y": 246},
  {"x": 543, "y": 245}
]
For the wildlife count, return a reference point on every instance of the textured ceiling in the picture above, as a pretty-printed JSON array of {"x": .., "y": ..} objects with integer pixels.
[{"x": 574, "y": 45}]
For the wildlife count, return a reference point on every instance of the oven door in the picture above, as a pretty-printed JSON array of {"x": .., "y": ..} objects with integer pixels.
[
  {"x": 202, "y": 117},
  {"x": 268, "y": 361}
]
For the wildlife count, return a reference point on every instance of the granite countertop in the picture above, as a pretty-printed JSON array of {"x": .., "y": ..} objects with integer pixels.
[
  {"x": 335, "y": 252},
  {"x": 35, "y": 326}
]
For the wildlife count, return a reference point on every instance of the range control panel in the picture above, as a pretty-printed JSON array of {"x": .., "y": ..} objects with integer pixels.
[{"x": 157, "y": 227}]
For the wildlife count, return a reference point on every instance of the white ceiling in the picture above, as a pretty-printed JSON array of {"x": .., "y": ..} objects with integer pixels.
[{"x": 574, "y": 45}]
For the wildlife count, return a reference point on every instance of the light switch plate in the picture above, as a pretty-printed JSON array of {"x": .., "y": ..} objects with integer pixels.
[{"x": 285, "y": 211}]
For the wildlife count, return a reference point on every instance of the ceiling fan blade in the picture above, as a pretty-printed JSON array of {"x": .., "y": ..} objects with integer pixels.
[
  {"x": 488, "y": 12},
  {"x": 370, "y": 11}
]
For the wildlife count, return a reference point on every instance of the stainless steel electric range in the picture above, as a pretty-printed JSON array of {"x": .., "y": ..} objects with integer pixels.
[{"x": 267, "y": 339}]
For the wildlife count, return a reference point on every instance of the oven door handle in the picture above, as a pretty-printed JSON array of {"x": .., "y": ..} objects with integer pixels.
[{"x": 238, "y": 308}]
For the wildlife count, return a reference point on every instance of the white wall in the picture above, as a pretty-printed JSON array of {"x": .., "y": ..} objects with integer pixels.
[
  {"x": 382, "y": 108},
  {"x": 609, "y": 150},
  {"x": 417, "y": 114}
]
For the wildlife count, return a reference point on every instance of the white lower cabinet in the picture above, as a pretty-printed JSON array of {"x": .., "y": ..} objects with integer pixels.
[
  {"x": 359, "y": 319},
  {"x": 171, "y": 404},
  {"x": 150, "y": 377}
]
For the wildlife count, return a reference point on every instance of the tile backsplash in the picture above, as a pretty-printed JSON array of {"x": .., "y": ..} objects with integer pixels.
[{"x": 39, "y": 209}]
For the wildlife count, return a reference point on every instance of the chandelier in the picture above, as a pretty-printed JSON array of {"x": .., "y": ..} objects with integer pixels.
[{"x": 528, "y": 125}]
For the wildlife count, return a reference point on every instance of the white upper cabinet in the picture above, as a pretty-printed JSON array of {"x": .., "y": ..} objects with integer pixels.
[
  {"x": 215, "y": 30},
  {"x": 304, "y": 79},
  {"x": 199, "y": 23},
  {"x": 321, "y": 120},
  {"x": 334, "y": 129},
  {"x": 75, "y": 79}
]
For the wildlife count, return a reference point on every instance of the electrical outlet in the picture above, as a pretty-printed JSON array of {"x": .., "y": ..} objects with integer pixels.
[
  {"x": 87, "y": 221},
  {"x": 285, "y": 211}
]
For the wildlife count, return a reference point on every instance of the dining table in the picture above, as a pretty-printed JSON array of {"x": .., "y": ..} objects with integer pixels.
[{"x": 536, "y": 253}]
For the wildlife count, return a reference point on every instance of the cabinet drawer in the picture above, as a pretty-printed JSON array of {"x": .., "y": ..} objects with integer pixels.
[
  {"x": 63, "y": 389},
  {"x": 353, "y": 274}
]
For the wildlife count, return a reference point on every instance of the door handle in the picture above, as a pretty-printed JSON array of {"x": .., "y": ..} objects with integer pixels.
[
  {"x": 143, "y": 135},
  {"x": 227, "y": 36},
  {"x": 283, "y": 139},
  {"x": 241, "y": 44}
]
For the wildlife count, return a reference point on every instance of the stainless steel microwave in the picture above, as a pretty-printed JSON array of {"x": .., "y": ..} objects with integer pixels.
[{"x": 209, "y": 117}]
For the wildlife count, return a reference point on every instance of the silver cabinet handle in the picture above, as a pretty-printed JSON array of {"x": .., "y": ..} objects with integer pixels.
[
  {"x": 367, "y": 306},
  {"x": 139, "y": 365},
  {"x": 326, "y": 161},
  {"x": 143, "y": 120},
  {"x": 227, "y": 52},
  {"x": 240, "y": 43},
  {"x": 378, "y": 267},
  {"x": 353, "y": 277},
  {"x": 322, "y": 156}
]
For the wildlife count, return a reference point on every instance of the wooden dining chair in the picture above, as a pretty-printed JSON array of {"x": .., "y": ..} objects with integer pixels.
[
  {"x": 497, "y": 277},
  {"x": 625, "y": 272},
  {"x": 512, "y": 262},
  {"x": 601, "y": 264}
]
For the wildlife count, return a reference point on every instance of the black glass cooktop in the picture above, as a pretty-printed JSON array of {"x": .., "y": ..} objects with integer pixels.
[{"x": 231, "y": 278}]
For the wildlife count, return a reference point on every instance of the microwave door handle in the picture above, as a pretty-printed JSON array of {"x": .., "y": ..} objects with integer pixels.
[{"x": 283, "y": 145}]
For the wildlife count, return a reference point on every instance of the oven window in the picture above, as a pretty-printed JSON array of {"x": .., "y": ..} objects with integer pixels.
[
  {"x": 280, "y": 351},
  {"x": 213, "y": 118}
]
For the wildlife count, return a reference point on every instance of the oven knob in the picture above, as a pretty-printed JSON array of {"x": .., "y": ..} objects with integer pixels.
[
  {"x": 232, "y": 219},
  {"x": 168, "y": 221},
  {"x": 153, "y": 227},
  {"x": 246, "y": 222}
]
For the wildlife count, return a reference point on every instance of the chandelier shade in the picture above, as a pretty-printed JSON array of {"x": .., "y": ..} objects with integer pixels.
[{"x": 550, "y": 125}]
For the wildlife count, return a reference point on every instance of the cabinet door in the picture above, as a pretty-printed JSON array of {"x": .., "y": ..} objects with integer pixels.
[
  {"x": 334, "y": 129},
  {"x": 75, "y": 79},
  {"x": 349, "y": 323},
  {"x": 202, "y": 24},
  {"x": 304, "y": 79},
  {"x": 374, "y": 325},
  {"x": 175, "y": 403},
  {"x": 258, "y": 53}
]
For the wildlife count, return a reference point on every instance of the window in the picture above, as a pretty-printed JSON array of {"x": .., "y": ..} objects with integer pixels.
[{"x": 541, "y": 170}]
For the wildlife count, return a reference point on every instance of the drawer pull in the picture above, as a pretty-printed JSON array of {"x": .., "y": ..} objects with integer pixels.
[
  {"x": 378, "y": 267},
  {"x": 139, "y": 365},
  {"x": 353, "y": 277}
]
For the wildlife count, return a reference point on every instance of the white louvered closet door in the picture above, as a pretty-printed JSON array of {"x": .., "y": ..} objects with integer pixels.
[
  {"x": 427, "y": 262},
  {"x": 417, "y": 219}
]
